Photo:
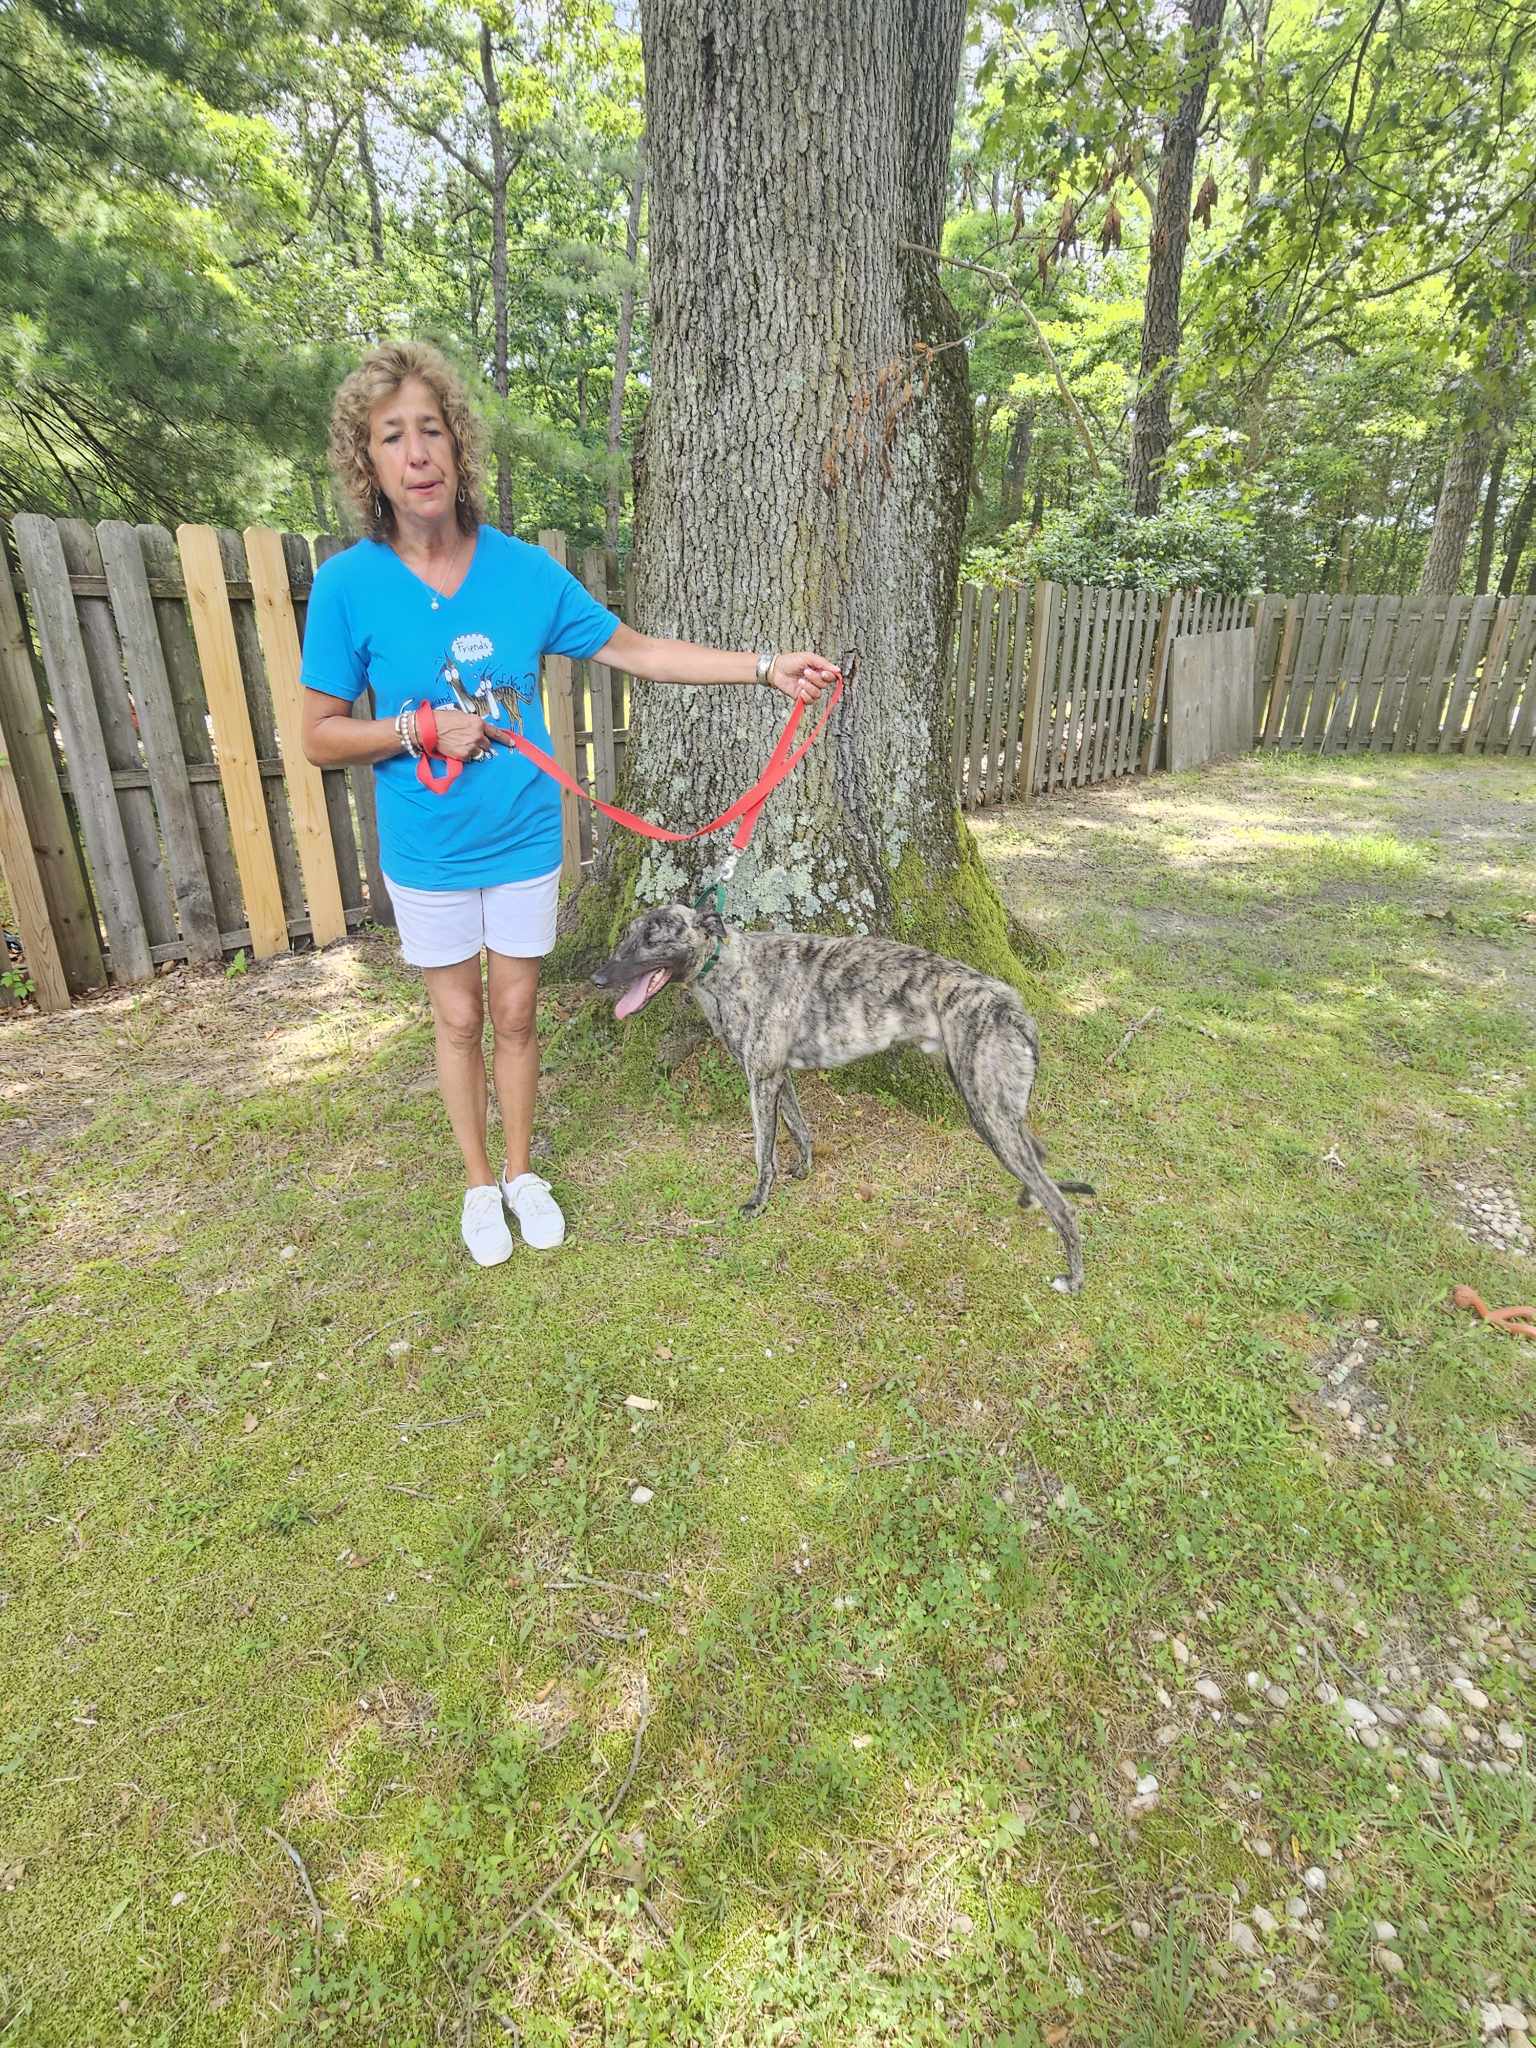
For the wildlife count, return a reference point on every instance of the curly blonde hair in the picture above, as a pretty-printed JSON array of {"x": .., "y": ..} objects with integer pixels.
[{"x": 379, "y": 376}]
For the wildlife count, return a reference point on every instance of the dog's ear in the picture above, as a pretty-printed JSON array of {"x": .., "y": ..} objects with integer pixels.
[{"x": 712, "y": 922}]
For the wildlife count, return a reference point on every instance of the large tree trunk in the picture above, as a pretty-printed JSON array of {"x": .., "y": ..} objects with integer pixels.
[
  {"x": 1488, "y": 533},
  {"x": 615, "y": 495},
  {"x": 805, "y": 460},
  {"x": 500, "y": 172},
  {"x": 1016, "y": 463},
  {"x": 371, "y": 183},
  {"x": 1516, "y": 536},
  {"x": 1455, "y": 510},
  {"x": 1153, "y": 432}
]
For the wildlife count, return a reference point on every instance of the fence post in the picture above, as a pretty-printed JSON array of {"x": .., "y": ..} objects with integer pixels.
[
  {"x": 24, "y": 736},
  {"x": 1165, "y": 625},
  {"x": 1040, "y": 633},
  {"x": 562, "y": 731},
  {"x": 85, "y": 748},
  {"x": 18, "y": 865}
]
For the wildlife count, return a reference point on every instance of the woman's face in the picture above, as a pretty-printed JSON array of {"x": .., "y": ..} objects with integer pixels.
[{"x": 412, "y": 454}]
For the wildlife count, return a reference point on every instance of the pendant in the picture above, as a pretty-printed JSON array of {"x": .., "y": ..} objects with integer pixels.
[{"x": 434, "y": 604}]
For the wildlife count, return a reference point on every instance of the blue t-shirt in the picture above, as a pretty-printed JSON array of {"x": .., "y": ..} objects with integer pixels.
[{"x": 371, "y": 622}]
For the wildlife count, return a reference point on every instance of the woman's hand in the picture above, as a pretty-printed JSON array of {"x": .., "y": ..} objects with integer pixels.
[
  {"x": 802, "y": 677},
  {"x": 461, "y": 736}
]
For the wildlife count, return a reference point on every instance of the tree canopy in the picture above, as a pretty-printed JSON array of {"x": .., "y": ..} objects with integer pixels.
[{"x": 205, "y": 215}]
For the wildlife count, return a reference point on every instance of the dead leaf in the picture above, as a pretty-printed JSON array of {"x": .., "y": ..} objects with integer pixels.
[
  {"x": 250, "y": 1421},
  {"x": 641, "y": 1402}
]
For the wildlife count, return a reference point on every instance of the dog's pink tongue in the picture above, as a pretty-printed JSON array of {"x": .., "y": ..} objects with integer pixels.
[{"x": 639, "y": 993}]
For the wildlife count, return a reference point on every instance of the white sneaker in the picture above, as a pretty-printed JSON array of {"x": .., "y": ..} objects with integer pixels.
[
  {"x": 537, "y": 1212},
  {"x": 484, "y": 1228}
]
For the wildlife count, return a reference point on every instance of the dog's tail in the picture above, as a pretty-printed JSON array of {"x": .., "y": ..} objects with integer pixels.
[{"x": 1077, "y": 1187}]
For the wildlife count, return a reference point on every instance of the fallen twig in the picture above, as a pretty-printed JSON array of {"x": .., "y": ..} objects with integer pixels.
[
  {"x": 298, "y": 1863},
  {"x": 1140, "y": 1025},
  {"x": 411, "y": 1315},
  {"x": 558, "y": 1883},
  {"x": 573, "y": 1581}
]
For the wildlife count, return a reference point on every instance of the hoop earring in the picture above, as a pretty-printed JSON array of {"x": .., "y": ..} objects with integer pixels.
[
  {"x": 378, "y": 508},
  {"x": 463, "y": 495}
]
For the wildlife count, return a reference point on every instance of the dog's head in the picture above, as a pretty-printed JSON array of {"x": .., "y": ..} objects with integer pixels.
[{"x": 670, "y": 943}]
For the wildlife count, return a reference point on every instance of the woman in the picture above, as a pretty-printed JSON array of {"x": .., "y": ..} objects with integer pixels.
[{"x": 435, "y": 605}]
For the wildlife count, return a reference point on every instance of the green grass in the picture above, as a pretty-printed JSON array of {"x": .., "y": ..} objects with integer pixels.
[{"x": 317, "y": 1537}]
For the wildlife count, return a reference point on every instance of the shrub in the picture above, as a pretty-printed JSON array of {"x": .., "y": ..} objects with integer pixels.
[{"x": 1199, "y": 540}]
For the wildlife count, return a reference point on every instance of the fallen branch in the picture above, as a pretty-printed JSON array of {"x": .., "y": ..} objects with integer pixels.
[
  {"x": 573, "y": 1581},
  {"x": 557, "y": 1884},
  {"x": 297, "y": 1861},
  {"x": 1140, "y": 1025}
]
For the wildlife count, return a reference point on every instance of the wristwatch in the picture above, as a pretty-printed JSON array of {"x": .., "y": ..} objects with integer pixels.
[{"x": 765, "y": 663}]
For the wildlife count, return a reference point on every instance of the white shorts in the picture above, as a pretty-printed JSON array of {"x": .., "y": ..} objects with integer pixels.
[{"x": 440, "y": 927}]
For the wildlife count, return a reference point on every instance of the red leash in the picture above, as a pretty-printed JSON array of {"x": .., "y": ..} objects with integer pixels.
[{"x": 784, "y": 759}]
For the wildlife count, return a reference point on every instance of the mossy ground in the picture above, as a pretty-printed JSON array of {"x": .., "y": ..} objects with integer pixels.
[{"x": 318, "y": 1539}]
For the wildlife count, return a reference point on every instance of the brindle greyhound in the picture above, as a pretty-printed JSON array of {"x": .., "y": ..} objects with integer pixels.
[{"x": 781, "y": 1000}]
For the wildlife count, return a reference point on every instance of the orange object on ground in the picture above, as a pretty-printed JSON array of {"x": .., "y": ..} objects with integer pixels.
[{"x": 1515, "y": 1322}]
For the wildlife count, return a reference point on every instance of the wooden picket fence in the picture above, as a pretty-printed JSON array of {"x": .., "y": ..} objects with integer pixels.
[
  {"x": 1059, "y": 686},
  {"x": 155, "y": 802},
  {"x": 1063, "y": 685},
  {"x": 1398, "y": 674}
]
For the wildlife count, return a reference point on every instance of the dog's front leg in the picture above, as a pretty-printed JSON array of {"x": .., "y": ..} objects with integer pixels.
[{"x": 765, "y": 1128}]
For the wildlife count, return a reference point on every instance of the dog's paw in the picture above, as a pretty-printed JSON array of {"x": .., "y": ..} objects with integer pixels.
[
  {"x": 799, "y": 1171},
  {"x": 751, "y": 1209},
  {"x": 1065, "y": 1284}
]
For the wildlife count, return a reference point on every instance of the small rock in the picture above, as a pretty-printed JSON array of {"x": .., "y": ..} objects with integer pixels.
[
  {"x": 641, "y": 1403},
  {"x": 1315, "y": 1878},
  {"x": 1390, "y": 1961},
  {"x": 1296, "y": 1910},
  {"x": 1384, "y": 1930},
  {"x": 1180, "y": 1650},
  {"x": 1255, "y": 1681},
  {"x": 1146, "y": 1784},
  {"x": 1327, "y": 1695},
  {"x": 399, "y": 1348},
  {"x": 1142, "y": 1930},
  {"x": 1436, "y": 1718},
  {"x": 1264, "y": 1920},
  {"x": 1368, "y": 1737},
  {"x": 1358, "y": 1712},
  {"x": 1474, "y": 1696},
  {"x": 1263, "y": 1849},
  {"x": 1509, "y": 1737},
  {"x": 1430, "y": 1766},
  {"x": 1515, "y": 2021},
  {"x": 1244, "y": 1940},
  {"x": 642, "y": 1496},
  {"x": 1492, "y": 2023},
  {"x": 1277, "y": 1696},
  {"x": 178, "y": 1898},
  {"x": 1166, "y": 1736},
  {"x": 1209, "y": 1691}
]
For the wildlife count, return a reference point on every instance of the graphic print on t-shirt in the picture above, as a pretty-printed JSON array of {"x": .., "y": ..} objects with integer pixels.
[{"x": 468, "y": 664}]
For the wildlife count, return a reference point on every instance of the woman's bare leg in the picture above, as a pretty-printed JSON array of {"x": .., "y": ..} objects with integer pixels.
[
  {"x": 513, "y": 987},
  {"x": 458, "y": 1012}
]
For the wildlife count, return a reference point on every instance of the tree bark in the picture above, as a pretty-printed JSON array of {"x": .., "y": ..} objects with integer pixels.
[
  {"x": 1153, "y": 431},
  {"x": 1490, "y": 523},
  {"x": 370, "y": 180},
  {"x": 1515, "y": 539},
  {"x": 1016, "y": 463},
  {"x": 491, "y": 86},
  {"x": 805, "y": 461},
  {"x": 1455, "y": 510},
  {"x": 622, "y": 345}
]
